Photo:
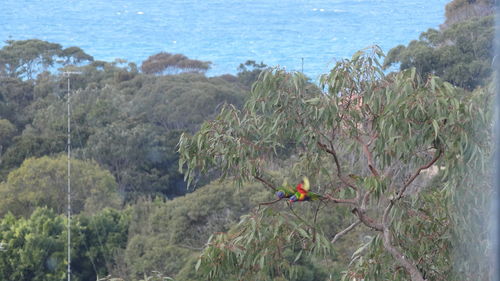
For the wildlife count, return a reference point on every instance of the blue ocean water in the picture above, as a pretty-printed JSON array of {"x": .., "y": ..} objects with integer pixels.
[{"x": 225, "y": 32}]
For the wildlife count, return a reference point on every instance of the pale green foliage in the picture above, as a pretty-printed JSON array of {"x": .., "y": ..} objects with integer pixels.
[
  {"x": 35, "y": 248},
  {"x": 7, "y": 130},
  {"x": 423, "y": 229},
  {"x": 26, "y": 58},
  {"x": 147, "y": 254},
  {"x": 164, "y": 236},
  {"x": 407, "y": 116},
  {"x": 384, "y": 130},
  {"x": 266, "y": 245},
  {"x": 127, "y": 121},
  {"x": 155, "y": 276},
  {"x": 461, "y": 54},
  {"x": 42, "y": 182}
]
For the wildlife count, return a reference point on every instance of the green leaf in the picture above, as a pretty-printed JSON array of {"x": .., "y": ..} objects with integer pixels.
[
  {"x": 436, "y": 128},
  {"x": 303, "y": 232},
  {"x": 198, "y": 263},
  {"x": 313, "y": 101},
  {"x": 262, "y": 261},
  {"x": 298, "y": 256}
]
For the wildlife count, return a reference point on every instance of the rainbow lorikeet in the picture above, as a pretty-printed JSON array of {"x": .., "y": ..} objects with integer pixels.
[
  {"x": 302, "y": 192},
  {"x": 284, "y": 191}
]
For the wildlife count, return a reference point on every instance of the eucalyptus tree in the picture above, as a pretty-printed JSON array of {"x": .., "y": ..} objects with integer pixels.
[
  {"x": 41, "y": 182},
  {"x": 26, "y": 58},
  {"x": 7, "y": 130},
  {"x": 370, "y": 141},
  {"x": 460, "y": 54},
  {"x": 460, "y": 10},
  {"x": 166, "y": 63}
]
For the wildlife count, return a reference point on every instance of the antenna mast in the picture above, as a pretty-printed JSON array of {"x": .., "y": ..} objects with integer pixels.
[{"x": 68, "y": 74}]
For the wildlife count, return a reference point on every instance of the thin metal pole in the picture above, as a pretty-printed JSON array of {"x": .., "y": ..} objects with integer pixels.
[
  {"x": 68, "y": 74},
  {"x": 302, "y": 65},
  {"x": 69, "y": 181},
  {"x": 495, "y": 209}
]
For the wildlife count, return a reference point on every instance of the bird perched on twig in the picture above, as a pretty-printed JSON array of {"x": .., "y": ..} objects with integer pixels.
[
  {"x": 302, "y": 192},
  {"x": 285, "y": 191}
]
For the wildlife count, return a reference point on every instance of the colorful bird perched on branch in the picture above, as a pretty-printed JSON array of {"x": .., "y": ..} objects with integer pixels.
[
  {"x": 285, "y": 191},
  {"x": 300, "y": 193}
]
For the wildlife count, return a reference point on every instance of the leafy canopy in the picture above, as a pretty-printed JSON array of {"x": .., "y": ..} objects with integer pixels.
[
  {"x": 26, "y": 58},
  {"x": 384, "y": 131},
  {"x": 460, "y": 54},
  {"x": 42, "y": 182},
  {"x": 172, "y": 64}
]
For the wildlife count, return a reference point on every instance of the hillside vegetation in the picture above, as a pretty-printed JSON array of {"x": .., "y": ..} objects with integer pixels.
[{"x": 400, "y": 160}]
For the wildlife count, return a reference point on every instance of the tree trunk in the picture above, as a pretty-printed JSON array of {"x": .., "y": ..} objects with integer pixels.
[{"x": 410, "y": 267}]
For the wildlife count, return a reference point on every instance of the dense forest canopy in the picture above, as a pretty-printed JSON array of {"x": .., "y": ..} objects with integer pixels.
[
  {"x": 462, "y": 10},
  {"x": 385, "y": 132},
  {"x": 397, "y": 158},
  {"x": 460, "y": 52}
]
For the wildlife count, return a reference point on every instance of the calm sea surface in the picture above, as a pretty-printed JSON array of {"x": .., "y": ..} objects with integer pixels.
[{"x": 226, "y": 32}]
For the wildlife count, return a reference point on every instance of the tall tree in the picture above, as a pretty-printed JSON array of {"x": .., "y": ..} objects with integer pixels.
[
  {"x": 367, "y": 137},
  {"x": 41, "y": 182},
  {"x": 26, "y": 58},
  {"x": 34, "y": 248},
  {"x": 7, "y": 130},
  {"x": 461, "y": 10},
  {"x": 166, "y": 63},
  {"x": 461, "y": 54}
]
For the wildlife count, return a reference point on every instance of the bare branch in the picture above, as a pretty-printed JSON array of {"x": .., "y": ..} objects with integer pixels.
[
  {"x": 339, "y": 200},
  {"x": 406, "y": 262},
  {"x": 337, "y": 164},
  {"x": 270, "y": 202},
  {"x": 385, "y": 217},
  {"x": 367, "y": 220},
  {"x": 437, "y": 155},
  {"x": 369, "y": 157},
  {"x": 191, "y": 247},
  {"x": 299, "y": 217},
  {"x": 265, "y": 182},
  {"x": 365, "y": 200},
  {"x": 345, "y": 231},
  {"x": 415, "y": 274}
]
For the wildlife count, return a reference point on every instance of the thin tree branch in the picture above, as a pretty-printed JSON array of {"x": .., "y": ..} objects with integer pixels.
[
  {"x": 270, "y": 202},
  {"x": 415, "y": 274},
  {"x": 190, "y": 247},
  {"x": 367, "y": 220},
  {"x": 385, "y": 217},
  {"x": 299, "y": 217},
  {"x": 406, "y": 262},
  {"x": 265, "y": 182},
  {"x": 337, "y": 164},
  {"x": 339, "y": 200},
  {"x": 365, "y": 200},
  {"x": 437, "y": 155},
  {"x": 345, "y": 231},
  {"x": 369, "y": 157}
]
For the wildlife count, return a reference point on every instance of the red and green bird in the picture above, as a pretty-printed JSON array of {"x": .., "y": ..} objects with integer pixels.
[
  {"x": 302, "y": 192},
  {"x": 285, "y": 191}
]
